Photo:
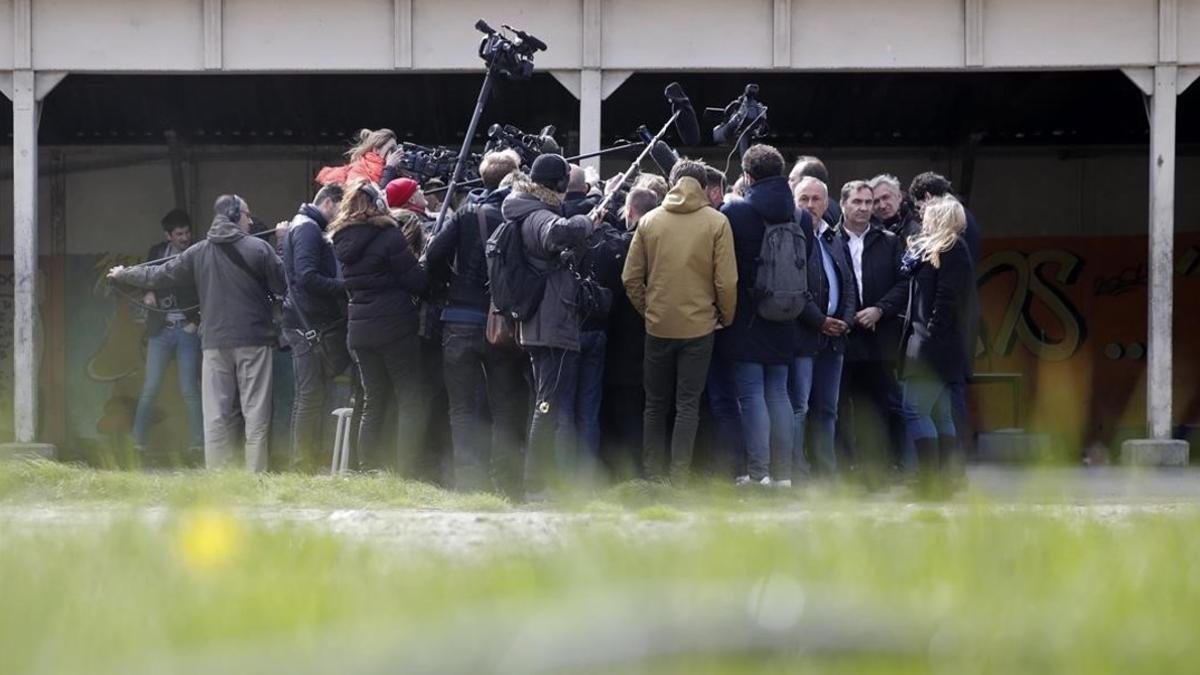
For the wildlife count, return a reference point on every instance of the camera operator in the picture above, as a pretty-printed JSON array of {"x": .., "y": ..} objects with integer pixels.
[
  {"x": 171, "y": 331},
  {"x": 367, "y": 159},
  {"x": 314, "y": 322},
  {"x": 482, "y": 461},
  {"x": 235, "y": 276},
  {"x": 551, "y": 335}
]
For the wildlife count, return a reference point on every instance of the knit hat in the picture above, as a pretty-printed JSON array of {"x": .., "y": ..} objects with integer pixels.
[
  {"x": 551, "y": 171},
  {"x": 399, "y": 191}
]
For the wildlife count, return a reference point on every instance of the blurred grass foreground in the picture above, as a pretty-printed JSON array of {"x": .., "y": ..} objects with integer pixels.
[{"x": 105, "y": 572}]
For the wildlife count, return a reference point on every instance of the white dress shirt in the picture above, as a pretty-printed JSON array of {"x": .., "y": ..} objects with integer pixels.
[{"x": 856, "y": 253}]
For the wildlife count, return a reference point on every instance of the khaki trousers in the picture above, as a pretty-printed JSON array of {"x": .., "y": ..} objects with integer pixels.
[{"x": 235, "y": 386}]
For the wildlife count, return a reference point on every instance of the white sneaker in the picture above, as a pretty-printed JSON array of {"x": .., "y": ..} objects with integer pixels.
[
  {"x": 766, "y": 480},
  {"x": 785, "y": 483},
  {"x": 741, "y": 480}
]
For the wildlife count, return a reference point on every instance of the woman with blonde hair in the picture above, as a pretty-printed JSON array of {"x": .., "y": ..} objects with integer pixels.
[
  {"x": 367, "y": 159},
  {"x": 383, "y": 279},
  {"x": 935, "y": 355}
]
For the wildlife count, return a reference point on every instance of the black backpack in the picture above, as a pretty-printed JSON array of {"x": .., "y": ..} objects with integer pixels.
[
  {"x": 781, "y": 284},
  {"x": 516, "y": 285}
]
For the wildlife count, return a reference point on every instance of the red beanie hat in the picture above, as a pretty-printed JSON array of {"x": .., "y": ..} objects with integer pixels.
[{"x": 399, "y": 191}]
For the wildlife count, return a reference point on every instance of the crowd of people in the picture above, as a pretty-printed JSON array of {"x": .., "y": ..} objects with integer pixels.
[{"x": 817, "y": 335}]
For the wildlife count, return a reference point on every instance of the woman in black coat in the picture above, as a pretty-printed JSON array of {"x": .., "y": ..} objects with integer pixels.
[
  {"x": 935, "y": 355},
  {"x": 383, "y": 279}
]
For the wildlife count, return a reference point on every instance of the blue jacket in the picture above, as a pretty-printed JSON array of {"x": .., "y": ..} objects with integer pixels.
[
  {"x": 314, "y": 285},
  {"x": 809, "y": 338},
  {"x": 752, "y": 338}
]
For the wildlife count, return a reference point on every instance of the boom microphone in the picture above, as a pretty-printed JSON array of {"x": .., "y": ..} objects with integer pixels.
[
  {"x": 686, "y": 123},
  {"x": 662, "y": 154}
]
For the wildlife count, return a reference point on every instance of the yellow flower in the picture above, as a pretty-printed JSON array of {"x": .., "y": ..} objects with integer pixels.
[{"x": 208, "y": 538}]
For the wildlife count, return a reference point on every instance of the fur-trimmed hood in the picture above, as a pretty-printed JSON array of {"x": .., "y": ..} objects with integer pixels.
[{"x": 527, "y": 197}]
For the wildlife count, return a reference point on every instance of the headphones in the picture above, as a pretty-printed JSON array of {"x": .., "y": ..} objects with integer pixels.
[
  {"x": 376, "y": 196},
  {"x": 235, "y": 212}
]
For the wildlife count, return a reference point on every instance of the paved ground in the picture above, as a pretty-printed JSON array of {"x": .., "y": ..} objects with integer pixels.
[{"x": 1095, "y": 493}]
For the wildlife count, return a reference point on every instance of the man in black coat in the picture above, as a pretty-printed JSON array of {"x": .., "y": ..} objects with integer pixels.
[
  {"x": 893, "y": 212},
  {"x": 816, "y": 372},
  {"x": 872, "y": 424},
  {"x": 486, "y": 456},
  {"x": 314, "y": 322}
]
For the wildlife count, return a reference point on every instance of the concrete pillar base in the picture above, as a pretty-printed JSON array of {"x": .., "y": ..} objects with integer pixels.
[
  {"x": 26, "y": 451},
  {"x": 1150, "y": 452}
]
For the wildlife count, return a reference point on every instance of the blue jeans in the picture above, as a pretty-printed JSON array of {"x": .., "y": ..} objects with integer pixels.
[
  {"x": 185, "y": 348},
  {"x": 723, "y": 402},
  {"x": 815, "y": 384},
  {"x": 927, "y": 408},
  {"x": 762, "y": 393},
  {"x": 581, "y": 428}
]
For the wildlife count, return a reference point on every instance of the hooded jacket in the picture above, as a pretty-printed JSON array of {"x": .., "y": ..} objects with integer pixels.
[
  {"x": 382, "y": 278},
  {"x": 751, "y": 338},
  {"x": 457, "y": 248},
  {"x": 235, "y": 307},
  {"x": 681, "y": 273},
  {"x": 546, "y": 236},
  {"x": 314, "y": 286}
]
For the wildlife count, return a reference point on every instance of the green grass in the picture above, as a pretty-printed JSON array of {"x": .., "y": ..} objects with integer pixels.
[{"x": 210, "y": 588}]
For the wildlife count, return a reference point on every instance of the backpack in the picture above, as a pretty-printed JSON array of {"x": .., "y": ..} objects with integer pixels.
[
  {"x": 516, "y": 285},
  {"x": 781, "y": 284}
]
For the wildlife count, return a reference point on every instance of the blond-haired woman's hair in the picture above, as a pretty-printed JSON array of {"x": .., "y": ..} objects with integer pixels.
[
  {"x": 370, "y": 140},
  {"x": 359, "y": 203},
  {"x": 942, "y": 220}
]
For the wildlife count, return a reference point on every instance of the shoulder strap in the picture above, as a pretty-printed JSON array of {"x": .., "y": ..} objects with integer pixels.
[
  {"x": 483, "y": 231},
  {"x": 235, "y": 256}
]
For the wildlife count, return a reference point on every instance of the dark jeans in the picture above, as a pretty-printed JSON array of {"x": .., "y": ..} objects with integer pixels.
[
  {"x": 579, "y": 428},
  {"x": 814, "y": 386},
  {"x": 677, "y": 367},
  {"x": 184, "y": 347},
  {"x": 871, "y": 423},
  {"x": 390, "y": 376},
  {"x": 723, "y": 402},
  {"x": 486, "y": 456},
  {"x": 767, "y": 419},
  {"x": 313, "y": 381},
  {"x": 555, "y": 376}
]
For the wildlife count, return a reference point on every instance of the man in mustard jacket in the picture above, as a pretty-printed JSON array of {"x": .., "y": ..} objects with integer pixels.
[{"x": 681, "y": 275}]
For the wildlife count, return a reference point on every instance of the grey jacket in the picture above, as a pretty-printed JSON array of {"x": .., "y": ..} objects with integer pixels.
[
  {"x": 546, "y": 235},
  {"x": 234, "y": 307}
]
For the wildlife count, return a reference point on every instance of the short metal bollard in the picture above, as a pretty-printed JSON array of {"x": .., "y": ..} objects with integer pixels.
[{"x": 341, "y": 441}]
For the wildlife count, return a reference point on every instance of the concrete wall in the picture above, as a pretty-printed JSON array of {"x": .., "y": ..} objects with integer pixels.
[{"x": 307, "y": 35}]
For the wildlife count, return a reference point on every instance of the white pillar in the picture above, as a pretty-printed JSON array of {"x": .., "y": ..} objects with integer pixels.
[
  {"x": 25, "y": 253},
  {"x": 1162, "y": 252},
  {"x": 590, "y": 98}
]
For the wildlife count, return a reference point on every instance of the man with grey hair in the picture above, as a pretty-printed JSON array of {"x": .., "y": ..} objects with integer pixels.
[
  {"x": 237, "y": 278},
  {"x": 892, "y": 211},
  {"x": 808, "y": 166}
]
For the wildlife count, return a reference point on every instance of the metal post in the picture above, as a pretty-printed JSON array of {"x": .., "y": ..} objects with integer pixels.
[{"x": 25, "y": 254}]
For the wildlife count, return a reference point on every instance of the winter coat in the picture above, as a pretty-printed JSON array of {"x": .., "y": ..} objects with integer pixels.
[
  {"x": 626, "y": 330},
  {"x": 941, "y": 316},
  {"x": 546, "y": 235},
  {"x": 883, "y": 286},
  {"x": 603, "y": 258},
  {"x": 809, "y": 338},
  {"x": 168, "y": 300},
  {"x": 314, "y": 286},
  {"x": 749, "y": 337},
  {"x": 369, "y": 166},
  {"x": 382, "y": 277},
  {"x": 236, "y": 306},
  {"x": 458, "y": 251},
  {"x": 681, "y": 273}
]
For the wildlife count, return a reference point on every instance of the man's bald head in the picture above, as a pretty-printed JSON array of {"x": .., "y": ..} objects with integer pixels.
[{"x": 577, "y": 182}]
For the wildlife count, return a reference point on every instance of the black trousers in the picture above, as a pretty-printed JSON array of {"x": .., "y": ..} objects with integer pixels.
[
  {"x": 486, "y": 434},
  {"x": 391, "y": 378},
  {"x": 870, "y": 422},
  {"x": 673, "y": 369}
]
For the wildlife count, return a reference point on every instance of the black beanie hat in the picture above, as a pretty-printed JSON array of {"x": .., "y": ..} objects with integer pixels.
[{"x": 551, "y": 171}]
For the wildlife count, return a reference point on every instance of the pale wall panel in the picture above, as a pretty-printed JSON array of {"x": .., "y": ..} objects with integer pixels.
[
  {"x": 1069, "y": 32},
  {"x": 701, "y": 34},
  {"x": 877, "y": 34},
  {"x": 6, "y": 31},
  {"x": 132, "y": 35},
  {"x": 1189, "y": 31},
  {"x": 342, "y": 35},
  {"x": 445, "y": 36}
]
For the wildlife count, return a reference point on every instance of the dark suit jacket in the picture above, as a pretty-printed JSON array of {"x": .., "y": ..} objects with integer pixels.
[
  {"x": 884, "y": 287},
  {"x": 810, "y": 338}
]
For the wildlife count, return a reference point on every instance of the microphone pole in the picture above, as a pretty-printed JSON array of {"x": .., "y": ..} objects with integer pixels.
[
  {"x": 484, "y": 92},
  {"x": 586, "y": 155},
  {"x": 642, "y": 155}
]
